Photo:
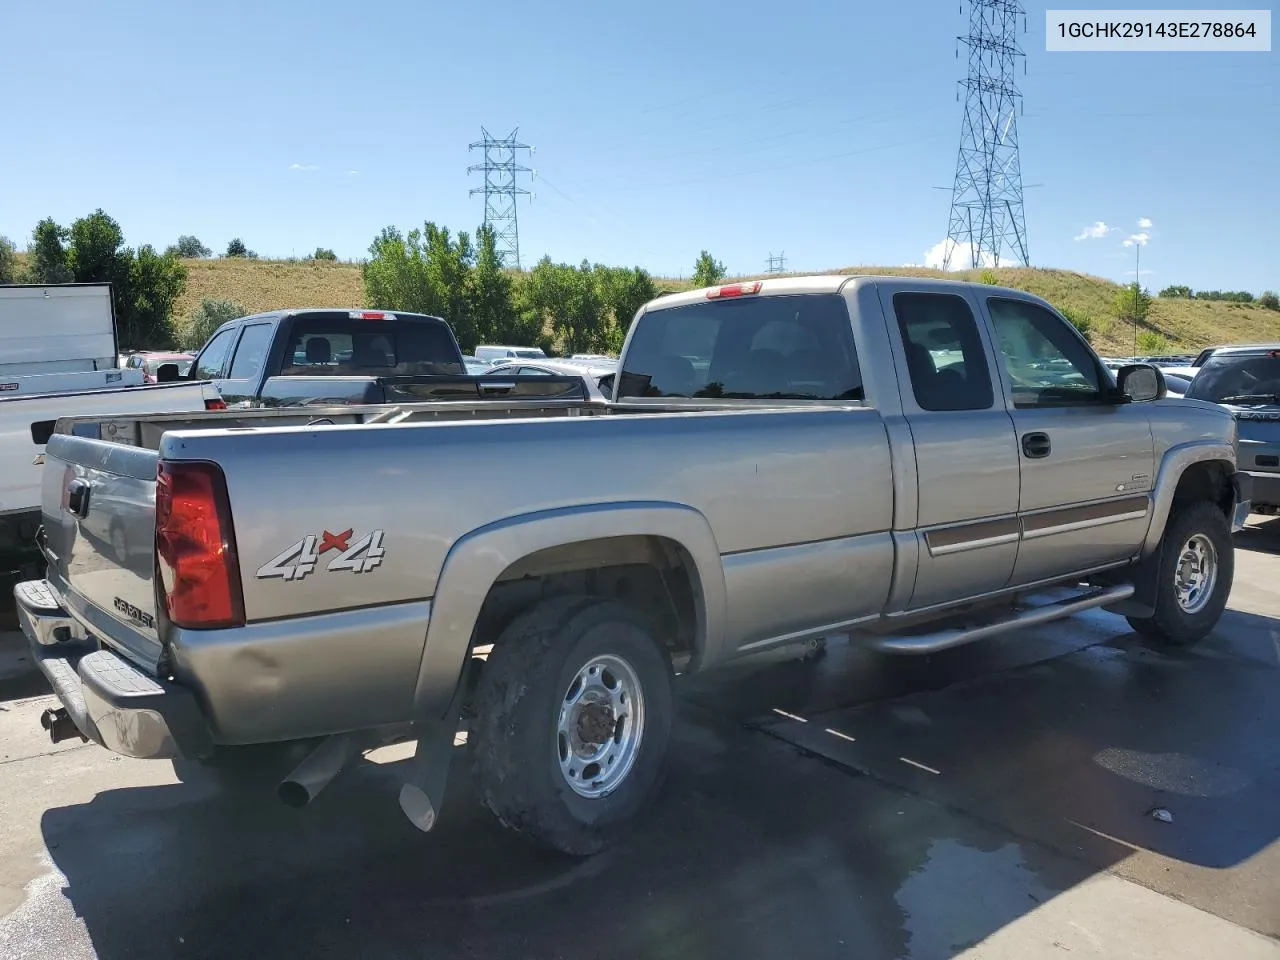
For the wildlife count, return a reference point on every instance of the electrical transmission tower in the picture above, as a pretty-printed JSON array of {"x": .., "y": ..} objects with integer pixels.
[
  {"x": 500, "y": 190},
  {"x": 776, "y": 264},
  {"x": 986, "y": 200}
]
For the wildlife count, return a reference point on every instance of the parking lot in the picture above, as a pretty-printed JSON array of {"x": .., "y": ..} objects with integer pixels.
[{"x": 1067, "y": 790}]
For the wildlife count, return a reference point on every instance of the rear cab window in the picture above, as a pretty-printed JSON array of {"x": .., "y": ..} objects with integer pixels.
[
  {"x": 784, "y": 347},
  {"x": 946, "y": 362},
  {"x": 340, "y": 346}
]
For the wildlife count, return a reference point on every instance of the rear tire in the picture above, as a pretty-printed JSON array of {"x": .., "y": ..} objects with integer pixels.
[
  {"x": 573, "y": 716},
  {"x": 1197, "y": 567}
]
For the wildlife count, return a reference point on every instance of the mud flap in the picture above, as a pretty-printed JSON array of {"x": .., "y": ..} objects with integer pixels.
[{"x": 422, "y": 794}]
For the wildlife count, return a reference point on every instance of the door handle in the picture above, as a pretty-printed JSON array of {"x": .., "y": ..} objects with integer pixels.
[
  {"x": 1036, "y": 445},
  {"x": 78, "y": 498}
]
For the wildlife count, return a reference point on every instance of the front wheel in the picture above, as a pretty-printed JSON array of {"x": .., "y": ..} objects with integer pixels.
[
  {"x": 573, "y": 715},
  {"x": 1197, "y": 567}
]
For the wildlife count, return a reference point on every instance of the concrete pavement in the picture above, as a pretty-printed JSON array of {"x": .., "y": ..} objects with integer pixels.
[{"x": 992, "y": 802}]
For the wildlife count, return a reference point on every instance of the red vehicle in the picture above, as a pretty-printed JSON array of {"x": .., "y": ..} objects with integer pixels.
[{"x": 150, "y": 362}]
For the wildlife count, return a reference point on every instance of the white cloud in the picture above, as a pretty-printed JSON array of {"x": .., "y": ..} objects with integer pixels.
[
  {"x": 1095, "y": 232},
  {"x": 353, "y": 173},
  {"x": 1138, "y": 239},
  {"x": 303, "y": 166},
  {"x": 1144, "y": 223},
  {"x": 961, "y": 256}
]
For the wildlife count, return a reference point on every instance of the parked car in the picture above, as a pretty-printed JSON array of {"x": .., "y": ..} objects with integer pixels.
[
  {"x": 475, "y": 367},
  {"x": 150, "y": 362},
  {"x": 334, "y": 356},
  {"x": 493, "y": 353},
  {"x": 1246, "y": 380},
  {"x": 598, "y": 374},
  {"x": 787, "y": 459}
]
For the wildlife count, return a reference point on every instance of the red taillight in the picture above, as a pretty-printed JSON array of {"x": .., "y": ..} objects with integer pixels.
[
  {"x": 369, "y": 315},
  {"x": 195, "y": 547},
  {"x": 218, "y": 404},
  {"x": 733, "y": 290}
]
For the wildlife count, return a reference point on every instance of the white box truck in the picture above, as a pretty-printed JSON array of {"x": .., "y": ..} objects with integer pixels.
[{"x": 59, "y": 358}]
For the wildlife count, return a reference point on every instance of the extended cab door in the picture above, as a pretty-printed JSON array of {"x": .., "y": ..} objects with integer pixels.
[
  {"x": 966, "y": 460},
  {"x": 1087, "y": 462}
]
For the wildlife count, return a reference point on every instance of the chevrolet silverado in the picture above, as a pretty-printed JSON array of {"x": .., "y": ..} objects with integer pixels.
[{"x": 916, "y": 464}]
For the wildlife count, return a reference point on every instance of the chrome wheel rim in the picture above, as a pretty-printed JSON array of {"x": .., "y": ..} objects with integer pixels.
[
  {"x": 1196, "y": 573},
  {"x": 600, "y": 725}
]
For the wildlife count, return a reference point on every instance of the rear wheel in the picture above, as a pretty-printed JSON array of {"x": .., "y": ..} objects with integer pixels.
[
  {"x": 573, "y": 715},
  {"x": 1197, "y": 567}
]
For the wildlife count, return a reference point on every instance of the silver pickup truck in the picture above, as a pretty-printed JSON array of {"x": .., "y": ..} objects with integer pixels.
[{"x": 916, "y": 464}]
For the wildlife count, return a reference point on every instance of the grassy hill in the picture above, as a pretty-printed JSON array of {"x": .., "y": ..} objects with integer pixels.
[{"x": 1186, "y": 325}]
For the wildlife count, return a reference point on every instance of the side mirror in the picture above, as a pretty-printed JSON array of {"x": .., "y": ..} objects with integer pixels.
[
  {"x": 1139, "y": 382},
  {"x": 167, "y": 373}
]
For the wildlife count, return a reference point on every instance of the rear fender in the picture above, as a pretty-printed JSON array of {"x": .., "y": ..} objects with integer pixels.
[{"x": 476, "y": 561}]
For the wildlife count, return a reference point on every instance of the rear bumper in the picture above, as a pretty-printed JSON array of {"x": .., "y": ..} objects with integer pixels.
[{"x": 110, "y": 701}]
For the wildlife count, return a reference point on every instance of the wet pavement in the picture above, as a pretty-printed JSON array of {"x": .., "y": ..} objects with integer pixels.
[{"x": 993, "y": 801}]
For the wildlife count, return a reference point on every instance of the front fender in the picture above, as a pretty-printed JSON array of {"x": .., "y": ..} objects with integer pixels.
[
  {"x": 477, "y": 559},
  {"x": 1176, "y": 461}
]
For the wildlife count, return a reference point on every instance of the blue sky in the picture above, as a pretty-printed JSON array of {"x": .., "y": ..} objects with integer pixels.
[{"x": 816, "y": 128}]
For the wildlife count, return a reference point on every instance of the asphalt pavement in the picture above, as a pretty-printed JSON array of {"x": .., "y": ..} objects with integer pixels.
[{"x": 1064, "y": 791}]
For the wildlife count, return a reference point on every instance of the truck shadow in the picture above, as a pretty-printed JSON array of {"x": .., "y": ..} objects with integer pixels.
[
  {"x": 1039, "y": 758},
  {"x": 753, "y": 850}
]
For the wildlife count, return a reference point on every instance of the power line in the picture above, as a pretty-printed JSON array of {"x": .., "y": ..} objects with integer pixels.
[
  {"x": 986, "y": 199},
  {"x": 500, "y": 190},
  {"x": 776, "y": 264}
]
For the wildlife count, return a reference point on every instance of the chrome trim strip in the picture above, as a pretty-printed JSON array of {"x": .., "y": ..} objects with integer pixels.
[
  {"x": 1083, "y": 524},
  {"x": 964, "y": 545}
]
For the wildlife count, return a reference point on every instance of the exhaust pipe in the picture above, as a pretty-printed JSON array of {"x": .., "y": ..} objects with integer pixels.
[
  {"x": 320, "y": 766},
  {"x": 60, "y": 725}
]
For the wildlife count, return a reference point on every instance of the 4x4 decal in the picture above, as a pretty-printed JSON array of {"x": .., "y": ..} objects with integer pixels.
[{"x": 300, "y": 559}]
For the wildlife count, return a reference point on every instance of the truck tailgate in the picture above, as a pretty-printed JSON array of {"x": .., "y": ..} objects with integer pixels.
[{"x": 98, "y": 503}]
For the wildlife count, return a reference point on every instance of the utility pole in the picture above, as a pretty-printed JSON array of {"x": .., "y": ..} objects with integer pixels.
[
  {"x": 986, "y": 198},
  {"x": 500, "y": 190},
  {"x": 776, "y": 264}
]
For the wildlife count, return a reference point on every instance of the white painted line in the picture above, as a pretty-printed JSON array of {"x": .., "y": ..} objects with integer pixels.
[
  {"x": 921, "y": 766},
  {"x": 789, "y": 716},
  {"x": 842, "y": 736}
]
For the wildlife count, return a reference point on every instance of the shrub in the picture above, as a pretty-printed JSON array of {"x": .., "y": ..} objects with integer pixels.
[
  {"x": 989, "y": 277},
  {"x": 1151, "y": 344},
  {"x": 323, "y": 253},
  {"x": 205, "y": 319},
  {"x": 1176, "y": 293},
  {"x": 1269, "y": 300}
]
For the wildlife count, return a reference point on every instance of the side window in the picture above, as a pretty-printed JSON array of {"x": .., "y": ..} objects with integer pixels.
[
  {"x": 785, "y": 347},
  {"x": 213, "y": 358},
  {"x": 1045, "y": 360},
  {"x": 251, "y": 352},
  {"x": 533, "y": 372},
  {"x": 945, "y": 359}
]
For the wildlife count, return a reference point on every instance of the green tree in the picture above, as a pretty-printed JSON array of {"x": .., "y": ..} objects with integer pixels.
[
  {"x": 155, "y": 283},
  {"x": 205, "y": 319},
  {"x": 47, "y": 254},
  {"x": 1176, "y": 293},
  {"x": 189, "y": 248},
  {"x": 8, "y": 261},
  {"x": 236, "y": 248},
  {"x": 1268, "y": 300},
  {"x": 1133, "y": 303},
  {"x": 323, "y": 253},
  {"x": 491, "y": 299},
  {"x": 395, "y": 275},
  {"x": 708, "y": 271},
  {"x": 622, "y": 293}
]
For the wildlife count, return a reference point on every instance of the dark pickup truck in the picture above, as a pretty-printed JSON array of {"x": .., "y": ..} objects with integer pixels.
[{"x": 341, "y": 356}]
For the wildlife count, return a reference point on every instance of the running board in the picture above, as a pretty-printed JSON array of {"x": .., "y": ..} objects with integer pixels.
[{"x": 946, "y": 639}]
